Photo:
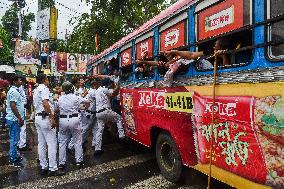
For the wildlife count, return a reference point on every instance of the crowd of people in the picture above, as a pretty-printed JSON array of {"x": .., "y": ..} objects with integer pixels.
[{"x": 65, "y": 116}]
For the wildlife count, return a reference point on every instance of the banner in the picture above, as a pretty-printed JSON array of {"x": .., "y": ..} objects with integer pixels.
[
  {"x": 223, "y": 17},
  {"x": 43, "y": 19},
  {"x": 144, "y": 46},
  {"x": 53, "y": 59},
  {"x": 26, "y": 52},
  {"x": 61, "y": 60},
  {"x": 126, "y": 57},
  {"x": 173, "y": 37},
  {"x": 53, "y": 23},
  {"x": 83, "y": 59},
  {"x": 27, "y": 69},
  {"x": 72, "y": 62}
]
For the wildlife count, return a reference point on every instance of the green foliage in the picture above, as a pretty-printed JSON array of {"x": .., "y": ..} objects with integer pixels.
[
  {"x": 112, "y": 20},
  {"x": 46, "y": 4},
  {"x": 5, "y": 52},
  {"x": 10, "y": 22}
]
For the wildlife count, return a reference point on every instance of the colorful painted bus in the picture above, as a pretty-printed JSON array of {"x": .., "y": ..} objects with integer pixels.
[{"x": 240, "y": 112}]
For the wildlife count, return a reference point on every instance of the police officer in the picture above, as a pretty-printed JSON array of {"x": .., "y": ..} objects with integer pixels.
[
  {"x": 46, "y": 127},
  {"x": 69, "y": 123},
  {"x": 105, "y": 114}
]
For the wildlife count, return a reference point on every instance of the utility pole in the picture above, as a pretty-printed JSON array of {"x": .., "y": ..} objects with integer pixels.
[{"x": 20, "y": 23}]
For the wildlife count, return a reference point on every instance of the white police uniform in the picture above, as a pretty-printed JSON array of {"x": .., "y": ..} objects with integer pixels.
[
  {"x": 69, "y": 126},
  {"x": 105, "y": 114},
  {"x": 23, "y": 134},
  {"x": 47, "y": 140}
]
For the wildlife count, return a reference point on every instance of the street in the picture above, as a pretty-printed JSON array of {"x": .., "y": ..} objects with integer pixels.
[{"x": 128, "y": 165}]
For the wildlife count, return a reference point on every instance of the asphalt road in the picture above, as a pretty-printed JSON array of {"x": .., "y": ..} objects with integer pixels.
[{"x": 127, "y": 165}]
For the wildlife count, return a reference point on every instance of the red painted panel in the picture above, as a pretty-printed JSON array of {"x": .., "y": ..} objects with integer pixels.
[
  {"x": 126, "y": 57},
  {"x": 143, "y": 46},
  {"x": 172, "y": 37},
  {"x": 221, "y": 18}
]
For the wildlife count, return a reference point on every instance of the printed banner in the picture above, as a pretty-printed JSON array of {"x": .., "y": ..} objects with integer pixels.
[
  {"x": 128, "y": 112},
  {"x": 27, "y": 69},
  {"x": 173, "y": 37},
  {"x": 72, "y": 62},
  {"x": 53, "y": 59},
  {"x": 43, "y": 18},
  {"x": 26, "y": 52},
  {"x": 83, "y": 63},
  {"x": 223, "y": 17},
  {"x": 126, "y": 57},
  {"x": 145, "y": 46},
  {"x": 53, "y": 23},
  {"x": 61, "y": 60}
]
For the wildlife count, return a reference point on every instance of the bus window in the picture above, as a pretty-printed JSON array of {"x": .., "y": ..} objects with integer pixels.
[
  {"x": 276, "y": 29},
  {"x": 126, "y": 73},
  {"x": 234, "y": 41}
]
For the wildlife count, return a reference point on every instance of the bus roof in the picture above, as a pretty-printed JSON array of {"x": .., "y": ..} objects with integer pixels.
[{"x": 164, "y": 14}]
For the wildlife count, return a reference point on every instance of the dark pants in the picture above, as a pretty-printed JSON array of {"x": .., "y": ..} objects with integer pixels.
[{"x": 115, "y": 105}]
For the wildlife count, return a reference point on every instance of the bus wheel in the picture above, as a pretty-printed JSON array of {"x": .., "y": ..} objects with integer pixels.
[{"x": 168, "y": 158}]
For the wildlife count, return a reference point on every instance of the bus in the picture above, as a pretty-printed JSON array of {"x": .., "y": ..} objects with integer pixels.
[{"x": 226, "y": 121}]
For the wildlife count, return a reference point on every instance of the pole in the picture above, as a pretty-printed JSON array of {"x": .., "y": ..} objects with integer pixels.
[{"x": 20, "y": 23}]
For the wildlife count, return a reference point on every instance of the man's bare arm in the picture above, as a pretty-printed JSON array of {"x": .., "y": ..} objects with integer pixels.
[{"x": 16, "y": 113}]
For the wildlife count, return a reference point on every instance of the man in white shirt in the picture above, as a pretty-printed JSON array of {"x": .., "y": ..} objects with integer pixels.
[
  {"x": 46, "y": 127},
  {"x": 105, "y": 114},
  {"x": 69, "y": 123}
]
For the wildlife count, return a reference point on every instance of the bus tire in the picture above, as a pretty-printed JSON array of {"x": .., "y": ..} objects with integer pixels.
[{"x": 168, "y": 158}]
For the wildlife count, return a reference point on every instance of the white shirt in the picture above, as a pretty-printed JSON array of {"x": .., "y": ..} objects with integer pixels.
[
  {"x": 116, "y": 82},
  {"x": 102, "y": 98},
  {"x": 41, "y": 93},
  {"x": 23, "y": 94},
  {"x": 91, "y": 96},
  {"x": 70, "y": 104},
  {"x": 80, "y": 91}
]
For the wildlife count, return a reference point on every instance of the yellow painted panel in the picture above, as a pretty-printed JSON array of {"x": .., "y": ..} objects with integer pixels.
[{"x": 230, "y": 178}]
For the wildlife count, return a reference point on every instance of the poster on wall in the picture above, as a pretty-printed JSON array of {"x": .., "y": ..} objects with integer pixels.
[
  {"x": 53, "y": 59},
  {"x": 173, "y": 37},
  {"x": 221, "y": 18},
  {"x": 61, "y": 61},
  {"x": 43, "y": 19},
  {"x": 27, "y": 69},
  {"x": 83, "y": 59},
  {"x": 72, "y": 62},
  {"x": 26, "y": 52}
]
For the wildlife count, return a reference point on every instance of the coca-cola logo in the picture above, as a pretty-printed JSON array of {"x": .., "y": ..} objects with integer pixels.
[{"x": 171, "y": 38}]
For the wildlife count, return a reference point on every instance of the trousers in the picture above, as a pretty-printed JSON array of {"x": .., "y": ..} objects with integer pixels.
[
  {"x": 70, "y": 127},
  {"x": 14, "y": 132},
  {"x": 47, "y": 143},
  {"x": 23, "y": 136},
  {"x": 102, "y": 118}
]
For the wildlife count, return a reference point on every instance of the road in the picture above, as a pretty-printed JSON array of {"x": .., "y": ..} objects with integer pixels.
[{"x": 127, "y": 165}]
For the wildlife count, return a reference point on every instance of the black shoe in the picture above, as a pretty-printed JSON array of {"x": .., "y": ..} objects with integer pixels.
[
  {"x": 24, "y": 149},
  {"x": 98, "y": 152},
  {"x": 61, "y": 166},
  {"x": 43, "y": 172},
  {"x": 19, "y": 159},
  {"x": 56, "y": 173},
  {"x": 38, "y": 161},
  {"x": 80, "y": 164},
  {"x": 16, "y": 164}
]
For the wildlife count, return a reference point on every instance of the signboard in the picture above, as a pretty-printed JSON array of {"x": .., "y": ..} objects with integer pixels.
[
  {"x": 221, "y": 18},
  {"x": 53, "y": 59},
  {"x": 27, "y": 69},
  {"x": 144, "y": 46},
  {"x": 173, "y": 37},
  {"x": 83, "y": 59},
  {"x": 72, "y": 62},
  {"x": 126, "y": 57},
  {"x": 53, "y": 23},
  {"x": 26, "y": 52},
  {"x": 61, "y": 60},
  {"x": 43, "y": 19}
]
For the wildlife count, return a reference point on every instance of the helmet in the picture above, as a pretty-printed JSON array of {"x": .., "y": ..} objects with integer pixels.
[{"x": 68, "y": 87}]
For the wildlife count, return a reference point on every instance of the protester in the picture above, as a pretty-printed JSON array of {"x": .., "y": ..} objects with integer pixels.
[{"x": 15, "y": 119}]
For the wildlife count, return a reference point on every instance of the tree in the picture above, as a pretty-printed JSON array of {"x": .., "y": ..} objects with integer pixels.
[
  {"x": 10, "y": 22},
  {"x": 112, "y": 20},
  {"x": 6, "y": 53},
  {"x": 46, "y": 4}
]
